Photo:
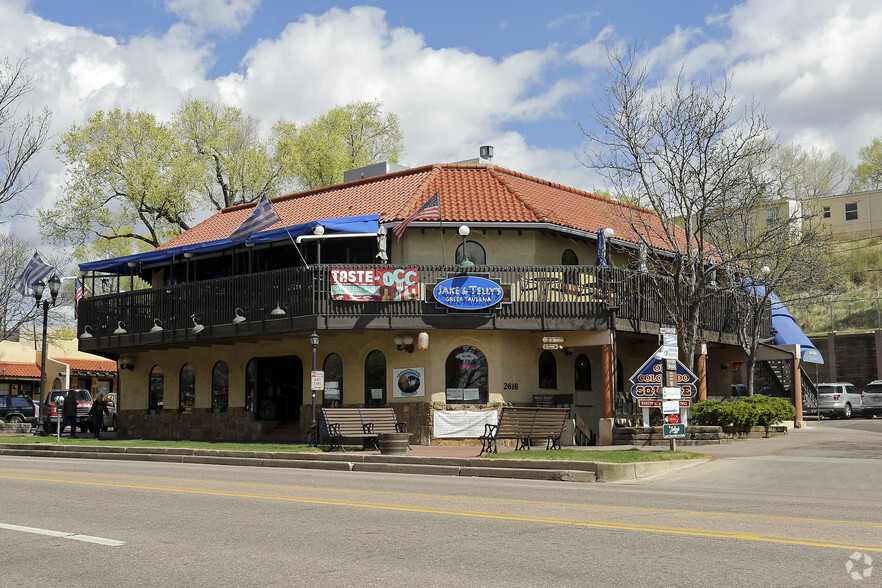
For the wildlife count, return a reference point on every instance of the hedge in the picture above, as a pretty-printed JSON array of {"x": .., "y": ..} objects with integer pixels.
[{"x": 748, "y": 412}]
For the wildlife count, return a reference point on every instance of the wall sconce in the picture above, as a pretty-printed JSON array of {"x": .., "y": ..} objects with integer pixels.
[
  {"x": 120, "y": 330},
  {"x": 157, "y": 326},
  {"x": 197, "y": 328},
  {"x": 404, "y": 343},
  {"x": 278, "y": 310},
  {"x": 423, "y": 341},
  {"x": 125, "y": 363},
  {"x": 240, "y": 317},
  {"x": 567, "y": 351},
  {"x": 86, "y": 334},
  {"x": 724, "y": 366}
]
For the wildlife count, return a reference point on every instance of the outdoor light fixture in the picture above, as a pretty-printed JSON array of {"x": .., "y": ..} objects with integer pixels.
[
  {"x": 120, "y": 330},
  {"x": 766, "y": 270},
  {"x": 197, "y": 328},
  {"x": 313, "y": 438},
  {"x": 39, "y": 287},
  {"x": 404, "y": 343},
  {"x": 86, "y": 334},
  {"x": 125, "y": 363},
  {"x": 278, "y": 311},
  {"x": 423, "y": 341},
  {"x": 464, "y": 230},
  {"x": 157, "y": 326},
  {"x": 240, "y": 317},
  {"x": 318, "y": 230}
]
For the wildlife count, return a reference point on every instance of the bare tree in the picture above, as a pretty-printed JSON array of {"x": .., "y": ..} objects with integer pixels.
[
  {"x": 687, "y": 151},
  {"x": 22, "y": 133}
]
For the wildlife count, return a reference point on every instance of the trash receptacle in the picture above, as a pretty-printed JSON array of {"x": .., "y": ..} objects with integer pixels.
[{"x": 393, "y": 443}]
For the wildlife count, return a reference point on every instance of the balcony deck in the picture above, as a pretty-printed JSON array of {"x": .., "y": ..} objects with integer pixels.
[{"x": 539, "y": 298}]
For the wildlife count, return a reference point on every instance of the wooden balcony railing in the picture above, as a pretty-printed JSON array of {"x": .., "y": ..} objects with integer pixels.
[{"x": 541, "y": 298}]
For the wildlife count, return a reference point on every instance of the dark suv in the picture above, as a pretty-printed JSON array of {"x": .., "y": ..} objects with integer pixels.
[{"x": 17, "y": 408}]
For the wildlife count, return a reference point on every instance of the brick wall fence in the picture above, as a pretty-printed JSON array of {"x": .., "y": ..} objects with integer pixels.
[{"x": 855, "y": 356}]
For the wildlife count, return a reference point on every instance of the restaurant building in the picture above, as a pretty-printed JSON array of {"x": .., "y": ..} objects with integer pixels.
[{"x": 502, "y": 289}]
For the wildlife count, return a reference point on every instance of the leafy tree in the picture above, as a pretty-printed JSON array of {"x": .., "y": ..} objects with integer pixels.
[
  {"x": 22, "y": 133},
  {"x": 129, "y": 181},
  {"x": 868, "y": 173},
  {"x": 237, "y": 164},
  {"x": 800, "y": 174},
  {"x": 344, "y": 138}
]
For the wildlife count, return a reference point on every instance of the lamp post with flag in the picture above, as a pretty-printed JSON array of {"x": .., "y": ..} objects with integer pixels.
[{"x": 54, "y": 286}]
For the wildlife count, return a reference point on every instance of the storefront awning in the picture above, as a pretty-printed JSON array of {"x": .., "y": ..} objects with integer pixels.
[
  {"x": 365, "y": 224},
  {"x": 787, "y": 332}
]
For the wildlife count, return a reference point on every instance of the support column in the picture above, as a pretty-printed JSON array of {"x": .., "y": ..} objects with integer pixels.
[
  {"x": 878, "y": 354},
  {"x": 608, "y": 380},
  {"x": 796, "y": 388},
  {"x": 701, "y": 374},
  {"x": 831, "y": 356}
]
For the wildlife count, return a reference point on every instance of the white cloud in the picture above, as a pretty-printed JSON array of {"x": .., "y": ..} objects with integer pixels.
[{"x": 215, "y": 15}]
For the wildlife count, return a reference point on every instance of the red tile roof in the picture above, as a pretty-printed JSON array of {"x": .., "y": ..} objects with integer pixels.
[
  {"x": 14, "y": 369},
  {"x": 88, "y": 365},
  {"x": 469, "y": 193}
]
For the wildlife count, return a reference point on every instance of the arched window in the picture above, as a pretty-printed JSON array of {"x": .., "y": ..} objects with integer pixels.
[
  {"x": 187, "y": 391},
  {"x": 569, "y": 257},
  {"x": 333, "y": 395},
  {"x": 474, "y": 252},
  {"x": 375, "y": 379},
  {"x": 250, "y": 384},
  {"x": 56, "y": 385},
  {"x": 466, "y": 376},
  {"x": 155, "y": 390},
  {"x": 547, "y": 370},
  {"x": 220, "y": 387},
  {"x": 582, "y": 375}
]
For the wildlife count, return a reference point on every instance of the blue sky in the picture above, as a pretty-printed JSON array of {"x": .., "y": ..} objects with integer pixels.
[{"x": 516, "y": 74}]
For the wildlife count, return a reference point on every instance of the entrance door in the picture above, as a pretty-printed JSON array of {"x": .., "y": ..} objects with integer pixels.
[{"x": 279, "y": 390}]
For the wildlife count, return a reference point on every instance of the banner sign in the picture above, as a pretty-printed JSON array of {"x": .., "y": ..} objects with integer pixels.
[
  {"x": 375, "y": 285},
  {"x": 461, "y": 424}
]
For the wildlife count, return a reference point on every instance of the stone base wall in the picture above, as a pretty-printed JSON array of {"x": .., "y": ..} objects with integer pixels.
[
  {"x": 201, "y": 425},
  {"x": 642, "y": 436}
]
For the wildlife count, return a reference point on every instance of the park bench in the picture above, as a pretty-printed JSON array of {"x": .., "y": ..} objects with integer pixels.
[
  {"x": 524, "y": 423},
  {"x": 365, "y": 424}
]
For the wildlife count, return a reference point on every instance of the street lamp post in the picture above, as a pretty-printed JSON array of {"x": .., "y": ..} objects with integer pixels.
[
  {"x": 464, "y": 231},
  {"x": 54, "y": 286},
  {"x": 609, "y": 233},
  {"x": 313, "y": 438}
]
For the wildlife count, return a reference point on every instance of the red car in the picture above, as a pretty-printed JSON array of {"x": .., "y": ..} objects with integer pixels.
[{"x": 52, "y": 409}]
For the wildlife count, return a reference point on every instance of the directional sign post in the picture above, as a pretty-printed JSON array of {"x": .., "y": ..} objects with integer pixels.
[{"x": 664, "y": 381}]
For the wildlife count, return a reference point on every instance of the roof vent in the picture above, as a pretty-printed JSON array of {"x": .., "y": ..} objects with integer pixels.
[
  {"x": 372, "y": 171},
  {"x": 486, "y": 152}
]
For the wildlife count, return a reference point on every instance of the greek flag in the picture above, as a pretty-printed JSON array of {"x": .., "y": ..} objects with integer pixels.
[
  {"x": 262, "y": 217},
  {"x": 34, "y": 271}
]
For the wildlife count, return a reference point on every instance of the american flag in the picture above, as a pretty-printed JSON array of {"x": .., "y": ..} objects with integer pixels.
[
  {"x": 262, "y": 217},
  {"x": 431, "y": 210},
  {"x": 34, "y": 271},
  {"x": 81, "y": 290}
]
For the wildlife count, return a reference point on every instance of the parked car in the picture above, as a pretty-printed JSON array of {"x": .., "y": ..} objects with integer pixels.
[
  {"x": 838, "y": 399},
  {"x": 872, "y": 399},
  {"x": 110, "y": 419},
  {"x": 17, "y": 408},
  {"x": 53, "y": 409}
]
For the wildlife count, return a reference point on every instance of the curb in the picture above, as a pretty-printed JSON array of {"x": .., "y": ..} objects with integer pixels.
[{"x": 517, "y": 469}]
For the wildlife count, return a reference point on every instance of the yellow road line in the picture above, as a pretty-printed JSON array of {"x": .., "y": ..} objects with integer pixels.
[
  {"x": 716, "y": 514},
  {"x": 485, "y": 515}
]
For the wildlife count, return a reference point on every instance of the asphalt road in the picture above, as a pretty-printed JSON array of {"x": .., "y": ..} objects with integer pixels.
[{"x": 746, "y": 520}]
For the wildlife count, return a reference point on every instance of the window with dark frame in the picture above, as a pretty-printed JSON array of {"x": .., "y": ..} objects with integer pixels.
[
  {"x": 851, "y": 211},
  {"x": 155, "y": 390},
  {"x": 220, "y": 387},
  {"x": 582, "y": 373},
  {"x": 474, "y": 252},
  {"x": 466, "y": 376},
  {"x": 333, "y": 394},
  {"x": 375, "y": 379},
  {"x": 826, "y": 212},
  {"x": 187, "y": 391},
  {"x": 547, "y": 370}
]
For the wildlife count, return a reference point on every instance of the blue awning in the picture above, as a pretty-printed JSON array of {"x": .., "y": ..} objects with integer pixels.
[
  {"x": 787, "y": 332},
  {"x": 367, "y": 224}
]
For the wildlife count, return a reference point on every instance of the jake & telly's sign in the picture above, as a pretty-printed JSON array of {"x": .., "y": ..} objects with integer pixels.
[{"x": 470, "y": 293}]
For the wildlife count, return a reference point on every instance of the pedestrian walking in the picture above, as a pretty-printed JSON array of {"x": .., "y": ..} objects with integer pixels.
[
  {"x": 69, "y": 414},
  {"x": 97, "y": 412}
]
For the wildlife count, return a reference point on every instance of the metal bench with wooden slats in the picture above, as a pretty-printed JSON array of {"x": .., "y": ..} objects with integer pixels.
[
  {"x": 524, "y": 423},
  {"x": 358, "y": 423}
]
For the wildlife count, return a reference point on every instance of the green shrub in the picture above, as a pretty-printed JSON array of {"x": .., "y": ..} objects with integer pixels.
[{"x": 749, "y": 412}]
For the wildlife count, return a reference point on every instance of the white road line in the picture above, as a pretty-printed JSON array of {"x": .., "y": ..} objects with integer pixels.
[{"x": 63, "y": 535}]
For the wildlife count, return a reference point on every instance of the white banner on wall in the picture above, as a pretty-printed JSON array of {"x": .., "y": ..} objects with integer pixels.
[
  {"x": 408, "y": 382},
  {"x": 462, "y": 424}
]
